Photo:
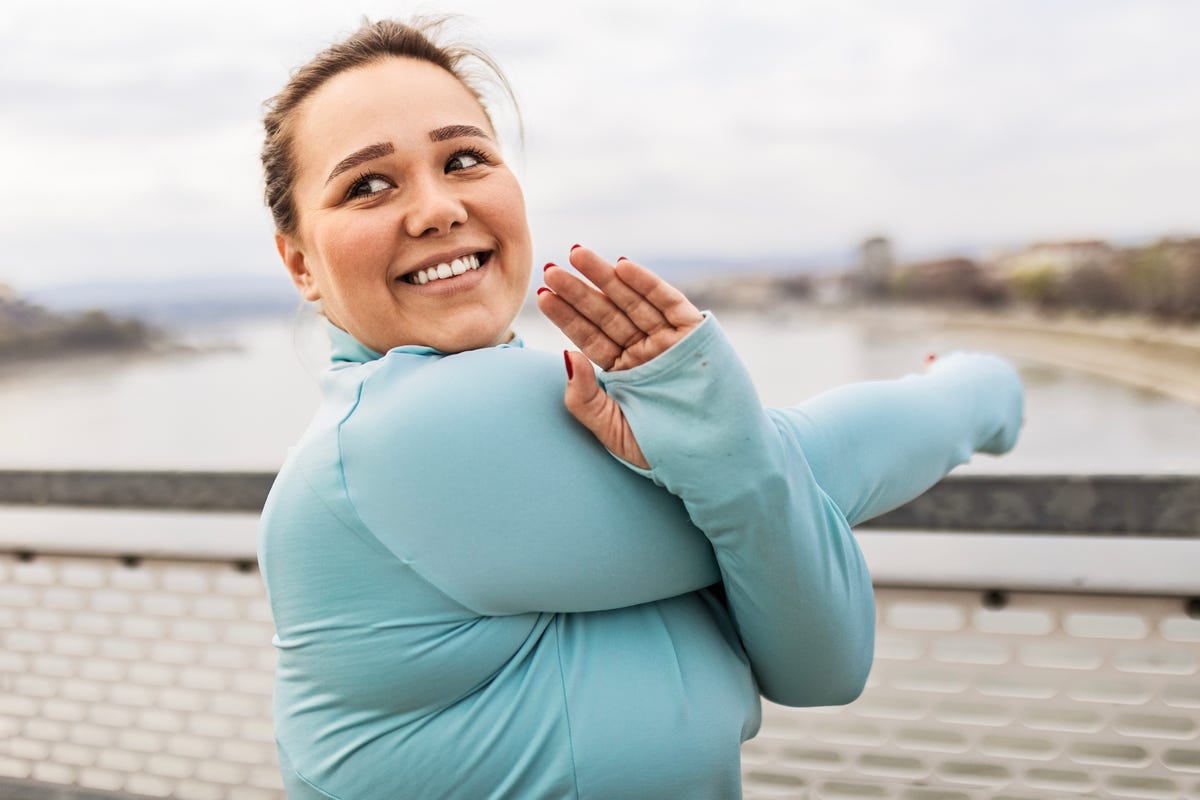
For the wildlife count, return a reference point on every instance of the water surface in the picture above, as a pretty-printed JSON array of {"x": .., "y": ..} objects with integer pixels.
[{"x": 241, "y": 409}]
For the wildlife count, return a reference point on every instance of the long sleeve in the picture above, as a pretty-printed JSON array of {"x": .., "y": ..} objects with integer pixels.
[
  {"x": 470, "y": 470},
  {"x": 797, "y": 586},
  {"x": 876, "y": 445}
]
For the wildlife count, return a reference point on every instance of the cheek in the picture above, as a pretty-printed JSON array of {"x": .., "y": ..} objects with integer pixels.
[
  {"x": 507, "y": 207},
  {"x": 354, "y": 246}
]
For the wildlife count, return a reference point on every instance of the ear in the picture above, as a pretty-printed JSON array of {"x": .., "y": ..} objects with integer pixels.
[{"x": 293, "y": 259}]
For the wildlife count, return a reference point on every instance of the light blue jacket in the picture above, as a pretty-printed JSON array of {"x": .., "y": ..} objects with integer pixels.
[{"x": 473, "y": 599}]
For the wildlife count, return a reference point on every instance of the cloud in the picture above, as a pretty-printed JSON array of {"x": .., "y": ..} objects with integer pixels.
[{"x": 738, "y": 130}]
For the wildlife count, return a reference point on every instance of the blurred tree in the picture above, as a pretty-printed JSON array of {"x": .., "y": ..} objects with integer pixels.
[{"x": 1037, "y": 283}]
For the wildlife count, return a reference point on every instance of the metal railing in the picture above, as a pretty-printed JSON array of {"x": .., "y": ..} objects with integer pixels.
[{"x": 1131, "y": 505}]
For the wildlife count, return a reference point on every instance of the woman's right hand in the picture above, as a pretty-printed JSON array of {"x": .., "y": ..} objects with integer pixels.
[{"x": 625, "y": 318}]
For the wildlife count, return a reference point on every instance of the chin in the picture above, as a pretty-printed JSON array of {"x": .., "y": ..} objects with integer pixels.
[{"x": 472, "y": 341}]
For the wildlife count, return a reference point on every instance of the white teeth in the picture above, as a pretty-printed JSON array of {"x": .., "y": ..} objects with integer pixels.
[{"x": 448, "y": 270}]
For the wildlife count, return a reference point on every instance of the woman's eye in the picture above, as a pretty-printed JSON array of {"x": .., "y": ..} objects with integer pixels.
[
  {"x": 464, "y": 160},
  {"x": 368, "y": 185}
]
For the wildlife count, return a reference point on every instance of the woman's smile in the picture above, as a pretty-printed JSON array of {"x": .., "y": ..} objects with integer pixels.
[{"x": 450, "y": 267}]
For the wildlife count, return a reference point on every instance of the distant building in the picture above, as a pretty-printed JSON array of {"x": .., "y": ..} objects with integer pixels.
[
  {"x": 1060, "y": 258},
  {"x": 876, "y": 266}
]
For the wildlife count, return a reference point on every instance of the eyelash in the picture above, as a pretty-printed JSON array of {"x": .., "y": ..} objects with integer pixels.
[
  {"x": 473, "y": 152},
  {"x": 360, "y": 181}
]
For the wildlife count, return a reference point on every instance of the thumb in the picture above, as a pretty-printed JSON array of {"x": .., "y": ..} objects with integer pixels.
[{"x": 598, "y": 412}]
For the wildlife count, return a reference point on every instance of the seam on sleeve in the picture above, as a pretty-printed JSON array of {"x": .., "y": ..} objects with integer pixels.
[
  {"x": 290, "y": 768},
  {"x": 562, "y": 682},
  {"x": 314, "y": 787},
  {"x": 369, "y": 539}
]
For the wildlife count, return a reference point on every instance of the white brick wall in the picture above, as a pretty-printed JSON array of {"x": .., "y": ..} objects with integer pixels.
[
  {"x": 155, "y": 680},
  {"x": 1052, "y": 696},
  {"x": 152, "y": 679}
]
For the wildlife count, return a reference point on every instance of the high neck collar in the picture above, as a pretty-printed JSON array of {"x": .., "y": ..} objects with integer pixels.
[{"x": 345, "y": 349}]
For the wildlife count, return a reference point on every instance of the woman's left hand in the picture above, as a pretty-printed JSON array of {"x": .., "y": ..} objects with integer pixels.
[{"x": 627, "y": 317}]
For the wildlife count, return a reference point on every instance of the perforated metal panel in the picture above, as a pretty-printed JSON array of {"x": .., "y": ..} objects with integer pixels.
[
  {"x": 155, "y": 680},
  {"x": 1053, "y": 695}
]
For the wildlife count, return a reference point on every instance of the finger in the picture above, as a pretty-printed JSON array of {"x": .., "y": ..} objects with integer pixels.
[
  {"x": 594, "y": 305},
  {"x": 672, "y": 303},
  {"x": 598, "y": 412},
  {"x": 579, "y": 329},
  {"x": 643, "y": 314}
]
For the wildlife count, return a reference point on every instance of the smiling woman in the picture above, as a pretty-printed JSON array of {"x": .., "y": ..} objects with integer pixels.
[{"x": 472, "y": 597}]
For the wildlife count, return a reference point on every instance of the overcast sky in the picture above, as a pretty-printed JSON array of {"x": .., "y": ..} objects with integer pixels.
[{"x": 129, "y": 131}]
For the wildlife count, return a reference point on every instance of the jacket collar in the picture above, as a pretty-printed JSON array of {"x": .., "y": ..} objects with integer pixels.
[{"x": 345, "y": 349}]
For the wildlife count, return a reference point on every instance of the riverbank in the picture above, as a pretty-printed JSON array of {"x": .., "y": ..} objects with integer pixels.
[{"x": 1134, "y": 351}]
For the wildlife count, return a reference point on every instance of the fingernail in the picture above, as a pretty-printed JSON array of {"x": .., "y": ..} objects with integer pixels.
[
  {"x": 574, "y": 247},
  {"x": 570, "y": 369},
  {"x": 542, "y": 289},
  {"x": 549, "y": 264},
  {"x": 622, "y": 258}
]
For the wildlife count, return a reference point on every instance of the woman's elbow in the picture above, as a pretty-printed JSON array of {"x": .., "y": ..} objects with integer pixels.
[
  {"x": 836, "y": 679},
  {"x": 834, "y": 689}
]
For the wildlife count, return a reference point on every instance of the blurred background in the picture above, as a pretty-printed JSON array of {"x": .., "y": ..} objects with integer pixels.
[{"x": 849, "y": 185}]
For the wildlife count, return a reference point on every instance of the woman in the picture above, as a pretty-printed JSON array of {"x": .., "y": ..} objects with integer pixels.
[{"x": 472, "y": 597}]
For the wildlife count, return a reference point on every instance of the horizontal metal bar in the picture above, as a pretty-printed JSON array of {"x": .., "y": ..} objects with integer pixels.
[
  {"x": 11, "y": 789},
  {"x": 158, "y": 490},
  {"x": 1119, "y": 505},
  {"x": 1125, "y": 505}
]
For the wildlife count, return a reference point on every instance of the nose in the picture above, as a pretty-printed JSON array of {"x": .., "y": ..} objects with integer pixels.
[{"x": 434, "y": 208}]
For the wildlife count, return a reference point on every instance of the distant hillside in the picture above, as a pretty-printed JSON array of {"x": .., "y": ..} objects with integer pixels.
[
  {"x": 30, "y": 331},
  {"x": 178, "y": 303}
]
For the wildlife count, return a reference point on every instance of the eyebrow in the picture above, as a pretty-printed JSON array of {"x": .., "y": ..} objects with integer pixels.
[
  {"x": 361, "y": 156},
  {"x": 456, "y": 132}
]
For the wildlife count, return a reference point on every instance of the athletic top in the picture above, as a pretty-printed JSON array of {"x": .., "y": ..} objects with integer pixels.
[{"x": 474, "y": 599}]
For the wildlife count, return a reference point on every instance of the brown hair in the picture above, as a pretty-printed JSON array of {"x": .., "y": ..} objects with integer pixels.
[{"x": 372, "y": 42}]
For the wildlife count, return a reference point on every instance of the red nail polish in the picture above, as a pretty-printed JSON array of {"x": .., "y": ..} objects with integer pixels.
[
  {"x": 542, "y": 289},
  {"x": 622, "y": 258},
  {"x": 570, "y": 370},
  {"x": 549, "y": 264},
  {"x": 574, "y": 247}
]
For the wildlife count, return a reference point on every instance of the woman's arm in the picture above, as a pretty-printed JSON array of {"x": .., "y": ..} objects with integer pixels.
[
  {"x": 755, "y": 481},
  {"x": 876, "y": 445},
  {"x": 796, "y": 583},
  {"x": 470, "y": 470}
]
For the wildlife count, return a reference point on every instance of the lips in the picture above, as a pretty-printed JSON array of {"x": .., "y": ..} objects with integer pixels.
[{"x": 449, "y": 268}]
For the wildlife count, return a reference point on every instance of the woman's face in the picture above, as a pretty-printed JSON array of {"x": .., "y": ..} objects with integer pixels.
[{"x": 412, "y": 229}]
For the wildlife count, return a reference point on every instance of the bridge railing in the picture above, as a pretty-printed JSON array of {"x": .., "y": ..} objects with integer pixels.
[{"x": 1038, "y": 637}]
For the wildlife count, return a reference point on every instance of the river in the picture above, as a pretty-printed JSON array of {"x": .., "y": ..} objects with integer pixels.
[{"x": 240, "y": 408}]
